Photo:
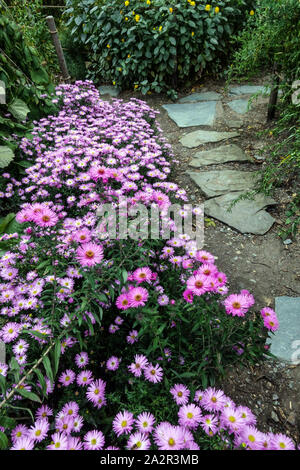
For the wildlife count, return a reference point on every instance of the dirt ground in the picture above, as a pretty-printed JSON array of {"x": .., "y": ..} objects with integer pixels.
[{"x": 262, "y": 264}]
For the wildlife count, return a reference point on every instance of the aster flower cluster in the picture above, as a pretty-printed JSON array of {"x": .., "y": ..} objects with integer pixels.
[
  {"x": 211, "y": 413},
  {"x": 92, "y": 153}
]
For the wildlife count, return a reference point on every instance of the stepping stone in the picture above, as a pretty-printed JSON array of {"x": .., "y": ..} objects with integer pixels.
[
  {"x": 192, "y": 114},
  {"x": 109, "y": 90},
  {"x": 2, "y": 352},
  {"x": 285, "y": 343},
  {"x": 246, "y": 216},
  {"x": 248, "y": 90},
  {"x": 196, "y": 138},
  {"x": 223, "y": 154},
  {"x": 234, "y": 123},
  {"x": 218, "y": 182},
  {"x": 203, "y": 96},
  {"x": 239, "y": 106}
]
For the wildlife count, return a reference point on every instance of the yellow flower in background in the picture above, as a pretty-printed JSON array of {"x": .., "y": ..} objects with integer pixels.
[
  {"x": 148, "y": 2},
  {"x": 192, "y": 4},
  {"x": 171, "y": 10},
  {"x": 129, "y": 56},
  {"x": 126, "y": 18},
  {"x": 252, "y": 12},
  {"x": 120, "y": 69},
  {"x": 126, "y": 3},
  {"x": 208, "y": 7},
  {"x": 114, "y": 83},
  {"x": 122, "y": 39},
  {"x": 136, "y": 86},
  {"x": 137, "y": 18},
  {"x": 193, "y": 33},
  {"x": 160, "y": 28},
  {"x": 108, "y": 46},
  {"x": 217, "y": 9}
]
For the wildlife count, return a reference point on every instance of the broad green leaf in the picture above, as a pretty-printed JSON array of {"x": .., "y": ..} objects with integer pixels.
[
  {"x": 30, "y": 395},
  {"x": 3, "y": 441},
  {"x": 19, "y": 109},
  {"x": 6, "y": 221},
  {"x": 41, "y": 380},
  {"x": 47, "y": 365},
  {"x": 6, "y": 156},
  {"x": 7, "y": 422},
  {"x": 39, "y": 76}
]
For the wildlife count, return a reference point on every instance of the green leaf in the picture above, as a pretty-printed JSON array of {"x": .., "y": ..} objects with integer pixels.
[
  {"x": 48, "y": 369},
  {"x": 42, "y": 381},
  {"x": 57, "y": 353},
  {"x": 26, "y": 394},
  {"x": 7, "y": 422},
  {"x": 19, "y": 109},
  {"x": 6, "y": 221},
  {"x": 40, "y": 77},
  {"x": 6, "y": 156},
  {"x": 2, "y": 384},
  {"x": 3, "y": 441}
]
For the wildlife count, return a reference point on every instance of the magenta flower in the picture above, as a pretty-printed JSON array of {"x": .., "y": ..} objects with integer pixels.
[
  {"x": 144, "y": 422},
  {"x": 89, "y": 254},
  {"x": 189, "y": 416},
  {"x": 113, "y": 363},
  {"x": 94, "y": 440},
  {"x": 138, "y": 441},
  {"x": 180, "y": 394},
  {"x": 138, "y": 296},
  {"x": 67, "y": 377}
]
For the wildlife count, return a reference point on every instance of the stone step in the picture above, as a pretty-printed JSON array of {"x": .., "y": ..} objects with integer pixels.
[
  {"x": 222, "y": 154},
  {"x": 246, "y": 216},
  {"x": 192, "y": 114},
  {"x": 218, "y": 182},
  {"x": 197, "y": 138}
]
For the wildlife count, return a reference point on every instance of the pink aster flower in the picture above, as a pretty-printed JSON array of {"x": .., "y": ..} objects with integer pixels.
[
  {"x": 213, "y": 400},
  {"x": 231, "y": 419},
  {"x": 113, "y": 363},
  {"x": 89, "y": 254},
  {"x": 64, "y": 423},
  {"x": 138, "y": 296},
  {"x": 24, "y": 443},
  {"x": 59, "y": 442},
  {"x": 46, "y": 218},
  {"x": 188, "y": 296},
  {"x": 19, "y": 432},
  {"x": 144, "y": 422},
  {"x": 266, "y": 312},
  {"x": 251, "y": 437},
  {"x": 142, "y": 275},
  {"x": 39, "y": 430},
  {"x": 82, "y": 359},
  {"x": 237, "y": 305},
  {"x": 246, "y": 414},
  {"x": 132, "y": 337},
  {"x": 138, "y": 441},
  {"x": 281, "y": 442},
  {"x": 198, "y": 284},
  {"x": 10, "y": 332},
  {"x": 271, "y": 322},
  {"x": 153, "y": 373},
  {"x": 209, "y": 423},
  {"x": 67, "y": 377},
  {"x": 123, "y": 302},
  {"x": 123, "y": 423},
  {"x": 3, "y": 369},
  {"x": 70, "y": 409},
  {"x": 205, "y": 257},
  {"x": 168, "y": 437},
  {"x": 94, "y": 440},
  {"x": 82, "y": 236},
  {"x": 74, "y": 443},
  {"x": 139, "y": 364},
  {"x": 84, "y": 378},
  {"x": 43, "y": 412},
  {"x": 189, "y": 416},
  {"x": 180, "y": 394}
]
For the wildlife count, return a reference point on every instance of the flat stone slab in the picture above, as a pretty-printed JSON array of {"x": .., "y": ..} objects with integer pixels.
[
  {"x": 246, "y": 216},
  {"x": 239, "y": 106},
  {"x": 249, "y": 90},
  {"x": 203, "y": 96},
  {"x": 192, "y": 114},
  {"x": 2, "y": 352},
  {"x": 196, "y": 138},
  {"x": 218, "y": 182},
  {"x": 285, "y": 343},
  {"x": 223, "y": 154},
  {"x": 109, "y": 90}
]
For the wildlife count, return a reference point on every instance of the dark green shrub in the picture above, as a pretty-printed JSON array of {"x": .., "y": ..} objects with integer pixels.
[{"x": 151, "y": 45}]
